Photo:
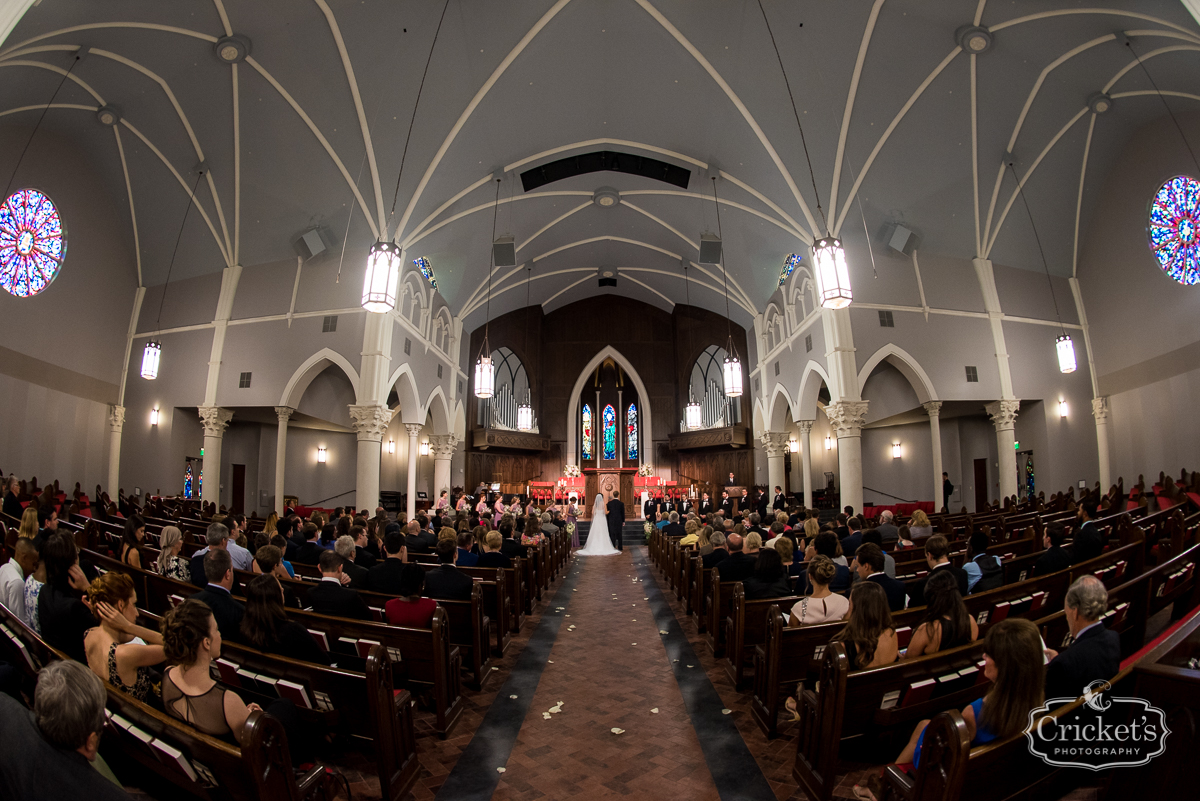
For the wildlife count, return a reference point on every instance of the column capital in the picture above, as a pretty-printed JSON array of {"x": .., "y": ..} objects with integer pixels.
[
  {"x": 370, "y": 421},
  {"x": 774, "y": 443},
  {"x": 847, "y": 417},
  {"x": 1100, "y": 409},
  {"x": 116, "y": 418},
  {"x": 413, "y": 429},
  {"x": 284, "y": 413},
  {"x": 1004, "y": 413},
  {"x": 214, "y": 419},
  {"x": 805, "y": 426},
  {"x": 443, "y": 445},
  {"x": 933, "y": 408}
]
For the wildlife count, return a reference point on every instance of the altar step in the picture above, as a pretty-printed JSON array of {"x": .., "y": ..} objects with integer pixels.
[{"x": 631, "y": 534}]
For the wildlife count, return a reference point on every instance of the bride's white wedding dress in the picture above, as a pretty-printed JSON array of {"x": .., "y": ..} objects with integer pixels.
[{"x": 598, "y": 541}]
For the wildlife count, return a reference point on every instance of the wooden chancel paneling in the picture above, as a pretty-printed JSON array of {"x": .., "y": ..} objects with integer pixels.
[
  {"x": 713, "y": 467},
  {"x": 507, "y": 467}
]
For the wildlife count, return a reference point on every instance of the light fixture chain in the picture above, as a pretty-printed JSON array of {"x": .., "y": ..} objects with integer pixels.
[
  {"x": 171, "y": 266},
  {"x": 1038, "y": 239},
  {"x": 38, "y": 124},
  {"x": 1167, "y": 106},
  {"x": 724, "y": 269}
]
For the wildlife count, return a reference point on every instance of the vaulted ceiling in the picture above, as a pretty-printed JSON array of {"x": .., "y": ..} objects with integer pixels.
[{"x": 901, "y": 126}]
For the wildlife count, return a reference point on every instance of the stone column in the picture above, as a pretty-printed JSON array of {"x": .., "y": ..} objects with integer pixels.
[
  {"x": 443, "y": 447},
  {"x": 806, "y": 458},
  {"x": 1004, "y": 416},
  {"x": 116, "y": 423},
  {"x": 215, "y": 420},
  {"x": 283, "y": 413},
  {"x": 933, "y": 409},
  {"x": 1103, "y": 415},
  {"x": 847, "y": 419},
  {"x": 775, "y": 444},
  {"x": 370, "y": 421},
  {"x": 414, "y": 431}
]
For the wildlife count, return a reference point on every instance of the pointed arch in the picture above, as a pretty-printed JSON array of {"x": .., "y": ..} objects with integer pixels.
[
  {"x": 909, "y": 367},
  {"x": 438, "y": 411},
  {"x": 405, "y": 384},
  {"x": 313, "y": 366},
  {"x": 810, "y": 387},
  {"x": 647, "y": 423},
  {"x": 781, "y": 410}
]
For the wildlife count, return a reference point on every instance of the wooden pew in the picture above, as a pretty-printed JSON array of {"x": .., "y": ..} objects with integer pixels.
[
  {"x": 746, "y": 628},
  {"x": 719, "y": 604}
]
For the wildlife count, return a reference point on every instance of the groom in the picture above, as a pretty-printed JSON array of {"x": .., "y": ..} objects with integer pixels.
[{"x": 616, "y": 520}]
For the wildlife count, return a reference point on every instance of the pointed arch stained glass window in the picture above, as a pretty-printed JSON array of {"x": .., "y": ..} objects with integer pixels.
[
  {"x": 33, "y": 243},
  {"x": 187, "y": 481},
  {"x": 587, "y": 431},
  {"x": 789, "y": 264},
  {"x": 631, "y": 432},
  {"x": 426, "y": 270},
  {"x": 610, "y": 432},
  {"x": 1175, "y": 229}
]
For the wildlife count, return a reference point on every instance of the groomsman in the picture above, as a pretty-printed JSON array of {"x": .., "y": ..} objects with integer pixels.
[
  {"x": 685, "y": 505},
  {"x": 648, "y": 508},
  {"x": 780, "y": 501},
  {"x": 727, "y": 505},
  {"x": 706, "y": 506}
]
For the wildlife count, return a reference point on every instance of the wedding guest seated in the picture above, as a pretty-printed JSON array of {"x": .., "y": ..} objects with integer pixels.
[
  {"x": 131, "y": 541},
  {"x": 776, "y": 533},
  {"x": 946, "y": 624},
  {"x": 52, "y": 753},
  {"x": 984, "y": 571},
  {"x": 851, "y": 541},
  {"x": 691, "y": 535},
  {"x": 385, "y": 576},
  {"x": 821, "y": 605},
  {"x": 311, "y": 550},
  {"x": 673, "y": 528},
  {"x": 1094, "y": 653},
  {"x": 889, "y": 564},
  {"x": 919, "y": 525},
  {"x": 466, "y": 557},
  {"x": 265, "y": 625},
  {"x": 170, "y": 563},
  {"x": 770, "y": 577},
  {"x": 1055, "y": 557},
  {"x": 786, "y": 550},
  {"x": 446, "y": 581},
  {"x": 329, "y": 597},
  {"x": 217, "y": 594},
  {"x": 410, "y": 609},
  {"x": 111, "y": 653},
  {"x": 493, "y": 555},
  {"x": 869, "y": 635},
  {"x": 1012, "y": 662},
  {"x": 826, "y": 544},
  {"x": 704, "y": 535},
  {"x": 13, "y": 573},
  {"x": 268, "y": 559},
  {"x": 365, "y": 546},
  {"x": 868, "y": 562},
  {"x": 905, "y": 542},
  {"x": 937, "y": 556},
  {"x": 356, "y": 575},
  {"x": 62, "y": 615},
  {"x": 740, "y": 564},
  {"x": 215, "y": 537},
  {"x": 719, "y": 551},
  {"x": 511, "y": 547}
]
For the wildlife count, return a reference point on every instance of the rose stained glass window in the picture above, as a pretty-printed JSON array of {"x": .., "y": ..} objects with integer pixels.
[
  {"x": 587, "y": 431},
  {"x": 610, "y": 432},
  {"x": 631, "y": 432},
  {"x": 1175, "y": 229},
  {"x": 33, "y": 243}
]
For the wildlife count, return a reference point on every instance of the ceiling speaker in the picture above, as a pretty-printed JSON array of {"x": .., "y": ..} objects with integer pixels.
[
  {"x": 504, "y": 252},
  {"x": 310, "y": 244},
  {"x": 710, "y": 249},
  {"x": 902, "y": 240}
]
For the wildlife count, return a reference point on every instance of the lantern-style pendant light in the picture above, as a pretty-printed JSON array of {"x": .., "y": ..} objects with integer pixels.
[
  {"x": 485, "y": 377},
  {"x": 732, "y": 372},
  {"x": 1066, "y": 354},
  {"x": 694, "y": 417},
  {"x": 150, "y": 357},
  {"x": 382, "y": 278},
  {"x": 833, "y": 276},
  {"x": 525, "y": 416}
]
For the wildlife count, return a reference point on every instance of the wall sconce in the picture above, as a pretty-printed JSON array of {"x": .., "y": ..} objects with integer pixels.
[
  {"x": 424, "y": 449},
  {"x": 794, "y": 445},
  {"x": 320, "y": 456},
  {"x": 1062, "y": 408},
  {"x": 828, "y": 443},
  {"x": 391, "y": 446},
  {"x": 895, "y": 450},
  {"x": 154, "y": 416}
]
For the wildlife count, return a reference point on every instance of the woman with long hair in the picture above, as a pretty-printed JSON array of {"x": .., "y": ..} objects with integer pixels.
[
  {"x": 869, "y": 636},
  {"x": 29, "y": 523},
  {"x": 265, "y": 624},
  {"x": 919, "y": 525},
  {"x": 111, "y": 653},
  {"x": 946, "y": 624},
  {"x": 170, "y": 563},
  {"x": 1013, "y": 662},
  {"x": 769, "y": 579},
  {"x": 411, "y": 610},
  {"x": 704, "y": 545},
  {"x": 131, "y": 541}
]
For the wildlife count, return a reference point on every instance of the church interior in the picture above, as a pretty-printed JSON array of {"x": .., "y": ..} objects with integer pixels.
[{"x": 545, "y": 358}]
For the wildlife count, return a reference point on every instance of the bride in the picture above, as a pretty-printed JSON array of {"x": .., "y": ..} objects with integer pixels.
[{"x": 598, "y": 541}]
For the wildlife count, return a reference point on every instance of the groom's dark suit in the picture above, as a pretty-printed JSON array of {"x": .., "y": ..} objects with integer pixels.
[{"x": 616, "y": 522}]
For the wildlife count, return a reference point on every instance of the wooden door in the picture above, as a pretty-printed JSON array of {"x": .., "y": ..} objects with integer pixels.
[
  {"x": 981, "y": 485},
  {"x": 239, "y": 489}
]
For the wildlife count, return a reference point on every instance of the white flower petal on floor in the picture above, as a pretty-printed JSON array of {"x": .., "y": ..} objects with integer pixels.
[
  {"x": 726, "y": 711},
  {"x": 501, "y": 770},
  {"x": 615, "y": 730},
  {"x": 654, "y": 711}
]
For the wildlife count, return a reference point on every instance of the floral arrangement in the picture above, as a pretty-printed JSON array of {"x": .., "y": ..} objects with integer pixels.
[
  {"x": 646, "y": 470},
  {"x": 647, "y": 527},
  {"x": 571, "y": 471},
  {"x": 570, "y": 529}
]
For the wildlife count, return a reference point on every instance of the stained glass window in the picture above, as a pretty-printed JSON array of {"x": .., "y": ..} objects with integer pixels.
[
  {"x": 631, "y": 432},
  {"x": 789, "y": 264},
  {"x": 187, "y": 481},
  {"x": 1175, "y": 229},
  {"x": 610, "y": 432},
  {"x": 426, "y": 270},
  {"x": 33, "y": 243},
  {"x": 587, "y": 431}
]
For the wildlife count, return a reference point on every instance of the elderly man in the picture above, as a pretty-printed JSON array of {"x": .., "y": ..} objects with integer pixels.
[
  {"x": 548, "y": 527},
  {"x": 49, "y": 753},
  {"x": 886, "y": 528},
  {"x": 743, "y": 553},
  {"x": 216, "y": 538},
  {"x": 719, "y": 552},
  {"x": 1094, "y": 653}
]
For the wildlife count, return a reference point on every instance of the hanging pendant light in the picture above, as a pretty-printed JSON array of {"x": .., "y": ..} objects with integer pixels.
[
  {"x": 525, "y": 416},
  {"x": 525, "y": 410},
  {"x": 485, "y": 370},
  {"x": 833, "y": 275},
  {"x": 485, "y": 376},
  {"x": 732, "y": 372},
  {"x": 150, "y": 358},
  {"x": 1066, "y": 354},
  {"x": 694, "y": 417},
  {"x": 382, "y": 278}
]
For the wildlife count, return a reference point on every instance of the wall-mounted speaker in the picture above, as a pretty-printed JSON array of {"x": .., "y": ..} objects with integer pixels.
[
  {"x": 902, "y": 240},
  {"x": 310, "y": 244}
]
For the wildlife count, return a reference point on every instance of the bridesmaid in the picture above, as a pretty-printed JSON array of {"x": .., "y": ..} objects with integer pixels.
[
  {"x": 572, "y": 520},
  {"x": 481, "y": 508},
  {"x": 443, "y": 502},
  {"x": 499, "y": 509},
  {"x": 462, "y": 505}
]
